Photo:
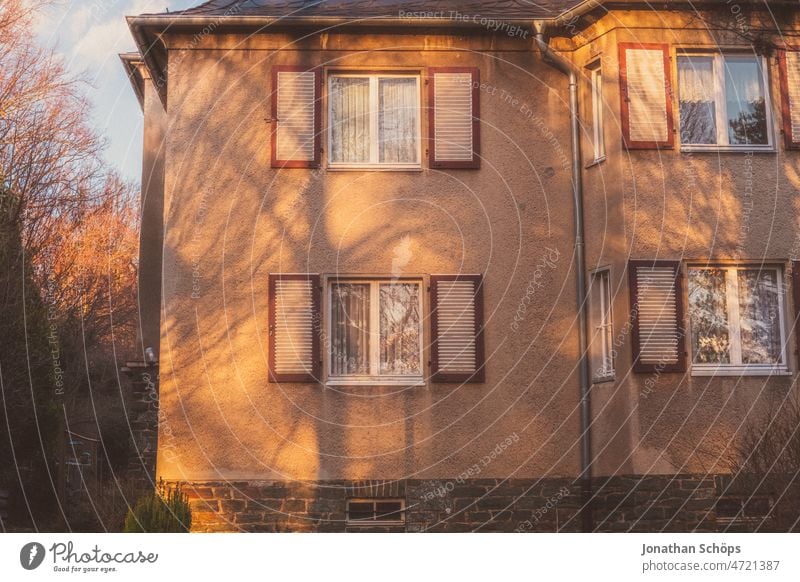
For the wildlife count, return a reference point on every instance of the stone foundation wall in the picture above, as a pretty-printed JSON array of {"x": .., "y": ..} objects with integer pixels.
[{"x": 630, "y": 503}]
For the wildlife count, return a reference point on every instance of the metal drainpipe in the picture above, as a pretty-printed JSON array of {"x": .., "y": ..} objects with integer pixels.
[{"x": 558, "y": 62}]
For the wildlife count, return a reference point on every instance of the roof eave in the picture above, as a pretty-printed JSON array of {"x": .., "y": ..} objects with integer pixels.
[
  {"x": 148, "y": 28},
  {"x": 131, "y": 63}
]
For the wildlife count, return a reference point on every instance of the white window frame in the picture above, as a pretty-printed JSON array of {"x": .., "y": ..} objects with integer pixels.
[
  {"x": 374, "y": 378},
  {"x": 720, "y": 104},
  {"x": 603, "y": 331},
  {"x": 374, "y": 99},
  {"x": 598, "y": 138},
  {"x": 736, "y": 367}
]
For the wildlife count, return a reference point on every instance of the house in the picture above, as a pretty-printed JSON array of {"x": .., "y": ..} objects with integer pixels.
[{"x": 456, "y": 266}]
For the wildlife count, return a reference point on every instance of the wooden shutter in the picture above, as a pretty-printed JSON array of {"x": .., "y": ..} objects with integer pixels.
[
  {"x": 789, "y": 66},
  {"x": 796, "y": 301},
  {"x": 454, "y": 117},
  {"x": 294, "y": 325},
  {"x": 657, "y": 316},
  {"x": 297, "y": 117},
  {"x": 646, "y": 94},
  {"x": 457, "y": 351}
]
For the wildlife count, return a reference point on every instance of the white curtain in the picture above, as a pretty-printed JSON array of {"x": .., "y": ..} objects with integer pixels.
[
  {"x": 350, "y": 329},
  {"x": 349, "y": 119},
  {"x": 696, "y": 92},
  {"x": 397, "y": 122},
  {"x": 400, "y": 328}
]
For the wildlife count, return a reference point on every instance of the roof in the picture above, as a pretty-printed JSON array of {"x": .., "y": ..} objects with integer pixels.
[{"x": 499, "y": 9}]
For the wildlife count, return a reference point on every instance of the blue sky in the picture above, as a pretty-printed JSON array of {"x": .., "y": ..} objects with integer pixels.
[{"x": 89, "y": 34}]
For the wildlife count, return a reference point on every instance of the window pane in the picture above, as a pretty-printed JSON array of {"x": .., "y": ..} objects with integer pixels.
[
  {"x": 349, "y": 98},
  {"x": 744, "y": 99},
  {"x": 759, "y": 316},
  {"x": 697, "y": 110},
  {"x": 397, "y": 122},
  {"x": 360, "y": 511},
  {"x": 708, "y": 312},
  {"x": 597, "y": 114},
  {"x": 400, "y": 329},
  {"x": 350, "y": 329},
  {"x": 600, "y": 317}
]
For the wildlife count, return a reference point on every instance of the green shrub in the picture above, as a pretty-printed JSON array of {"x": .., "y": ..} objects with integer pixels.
[{"x": 160, "y": 512}]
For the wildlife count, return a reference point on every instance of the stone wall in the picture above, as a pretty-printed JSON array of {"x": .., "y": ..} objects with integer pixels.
[
  {"x": 631, "y": 503},
  {"x": 143, "y": 421}
]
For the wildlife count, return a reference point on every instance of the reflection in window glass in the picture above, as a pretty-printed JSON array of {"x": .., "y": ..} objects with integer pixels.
[{"x": 709, "y": 315}]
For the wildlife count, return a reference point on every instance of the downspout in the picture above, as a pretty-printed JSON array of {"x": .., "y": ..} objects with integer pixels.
[{"x": 557, "y": 61}]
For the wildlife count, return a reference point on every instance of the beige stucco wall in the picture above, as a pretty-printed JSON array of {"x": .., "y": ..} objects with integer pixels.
[
  {"x": 230, "y": 220},
  {"x": 690, "y": 206},
  {"x": 152, "y": 212}
]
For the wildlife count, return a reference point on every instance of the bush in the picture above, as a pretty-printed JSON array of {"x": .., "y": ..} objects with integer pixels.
[
  {"x": 765, "y": 464},
  {"x": 160, "y": 512}
]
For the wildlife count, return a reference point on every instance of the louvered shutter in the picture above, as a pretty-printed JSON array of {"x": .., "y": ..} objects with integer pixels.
[
  {"x": 457, "y": 351},
  {"x": 789, "y": 65},
  {"x": 657, "y": 316},
  {"x": 454, "y": 117},
  {"x": 294, "y": 325},
  {"x": 645, "y": 90},
  {"x": 297, "y": 117},
  {"x": 796, "y": 301}
]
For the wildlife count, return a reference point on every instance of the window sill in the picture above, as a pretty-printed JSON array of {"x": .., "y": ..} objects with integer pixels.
[
  {"x": 373, "y": 168},
  {"x": 740, "y": 149},
  {"x": 595, "y": 162},
  {"x": 740, "y": 371},
  {"x": 604, "y": 379},
  {"x": 405, "y": 382}
]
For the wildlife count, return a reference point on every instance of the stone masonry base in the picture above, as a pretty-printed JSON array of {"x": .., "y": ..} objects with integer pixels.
[{"x": 624, "y": 503}]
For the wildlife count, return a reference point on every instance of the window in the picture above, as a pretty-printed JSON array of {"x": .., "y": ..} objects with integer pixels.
[
  {"x": 375, "y": 330},
  {"x": 723, "y": 101},
  {"x": 600, "y": 351},
  {"x": 596, "y": 78},
  {"x": 375, "y": 512},
  {"x": 374, "y": 120},
  {"x": 366, "y": 330},
  {"x": 736, "y": 317}
]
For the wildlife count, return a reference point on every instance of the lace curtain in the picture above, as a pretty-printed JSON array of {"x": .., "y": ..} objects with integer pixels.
[
  {"x": 397, "y": 127},
  {"x": 697, "y": 110},
  {"x": 349, "y": 119},
  {"x": 397, "y": 330},
  {"x": 397, "y": 111},
  {"x": 400, "y": 326},
  {"x": 350, "y": 329}
]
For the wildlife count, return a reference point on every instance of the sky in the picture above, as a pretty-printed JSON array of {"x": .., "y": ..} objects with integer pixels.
[{"x": 89, "y": 34}]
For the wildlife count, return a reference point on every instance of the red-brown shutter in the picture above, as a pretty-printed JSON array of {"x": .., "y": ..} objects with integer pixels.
[
  {"x": 646, "y": 96},
  {"x": 454, "y": 117},
  {"x": 296, "y": 117},
  {"x": 796, "y": 301},
  {"x": 789, "y": 66},
  {"x": 657, "y": 332},
  {"x": 294, "y": 328},
  {"x": 457, "y": 348}
]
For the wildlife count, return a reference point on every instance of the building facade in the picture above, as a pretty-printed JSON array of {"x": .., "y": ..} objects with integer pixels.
[{"x": 361, "y": 247}]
